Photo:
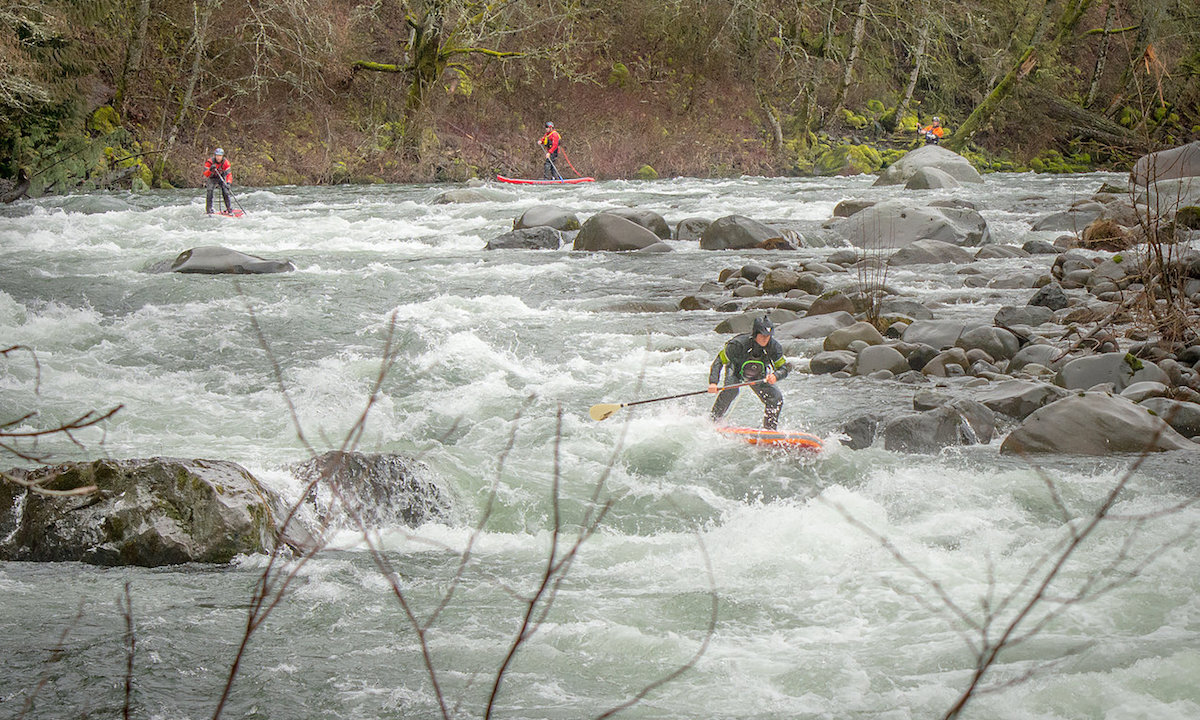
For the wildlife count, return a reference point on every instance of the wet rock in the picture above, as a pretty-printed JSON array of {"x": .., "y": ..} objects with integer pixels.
[
  {"x": 781, "y": 280},
  {"x": 736, "y": 232},
  {"x": 920, "y": 356},
  {"x": 897, "y": 223},
  {"x": 1184, "y": 417},
  {"x": 929, "y": 252},
  {"x": 948, "y": 363},
  {"x": 743, "y": 323},
  {"x": 648, "y": 219},
  {"x": 813, "y": 326},
  {"x": 533, "y": 238},
  {"x": 217, "y": 260},
  {"x": 880, "y": 357},
  {"x": 841, "y": 338},
  {"x": 1031, "y": 315},
  {"x": 550, "y": 216},
  {"x": 691, "y": 229},
  {"x": 924, "y": 400},
  {"x": 908, "y": 308},
  {"x": 151, "y": 512},
  {"x": 998, "y": 343},
  {"x": 991, "y": 252},
  {"x": 1144, "y": 390},
  {"x": 937, "y": 333},
  {"x": 931, "y": 178},
  {"x": 1019, "y": 398},
  {"x": 381, "y": 490},
  {"x": 605, "y": 232},
  {"x": 697, "y": 302},
  {"x": 1093, "y": 424},
  {"x": 831, "y": 302},
  {"x": 1120, "y": 369},
  {"x": 1177, "y": 162},
  {"x": 1050, "y": 296},
  {"x": 473, "y": 195},
  {"x": 935, "y": 156},
  {"x": 843, "y": 257},
  {"x": 1074, "y": 219},
  {"x": 931, "y": 431},
  {"x": 861, "y": 431},
  {"x": 830, "y": 361},
  {"x": 1040, "y": 247}
]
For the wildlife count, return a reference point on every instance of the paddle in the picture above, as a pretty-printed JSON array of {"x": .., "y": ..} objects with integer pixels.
[
  {"x": 603, "y": 411},
  {"x": 231, "y": 195},
  {"x": 552, "y": 165}
]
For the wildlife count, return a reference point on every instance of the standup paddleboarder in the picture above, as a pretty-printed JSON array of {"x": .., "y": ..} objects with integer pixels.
[
  {"x": 933, "y": 132},
  {"x": 756, "y": 355},
  {"x": 550, "y": 142},
  {"x": 218, "y": 173}
]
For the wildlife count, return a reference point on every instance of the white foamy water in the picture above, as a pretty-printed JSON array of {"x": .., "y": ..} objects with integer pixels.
[{"x": 816, "y": 616}]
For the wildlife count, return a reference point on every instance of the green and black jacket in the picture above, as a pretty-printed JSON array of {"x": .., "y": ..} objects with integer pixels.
[{"x": 747, "y": 360}]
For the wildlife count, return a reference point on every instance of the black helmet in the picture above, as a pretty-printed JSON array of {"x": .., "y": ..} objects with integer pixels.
[{"x": 763, "y": 326}]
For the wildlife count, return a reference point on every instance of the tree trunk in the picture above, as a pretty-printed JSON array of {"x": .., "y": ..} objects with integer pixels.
[
  {"x": 856, "y": 39},
  {"x": 199, "y": 38},
  {"x": 133, "y": 54},
  {"x": 918, "y": 60},
  {"x": 1098, "y": 70},
  {"x": 1024, "y": 64}
]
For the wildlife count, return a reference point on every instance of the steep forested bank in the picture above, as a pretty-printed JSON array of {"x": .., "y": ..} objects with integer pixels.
[{"x": 134, "y": 92}]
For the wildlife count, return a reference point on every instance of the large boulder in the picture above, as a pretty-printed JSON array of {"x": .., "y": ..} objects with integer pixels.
[
  {"x": 1184, "y": 417},
  {"x": 999, "y": 343},
  {"x": 217, "y": 260},
  {"x": 929, "y": 252},
  {"x": 1176, "y": 162},
  {"x": 159, "y": 511},
  {"x": 931, "y": 178},
  {"x": 378, "y": 489},
  {"x": 648, "y": 219},
  {"x": 842, "y": 338},
  {"x": 1073, "y": 220},
  {"x": 880, "y": 357},
  {"x": 896, "y": 223},
  {"x": 542, "y": 237},
  {"x": 1120, "y": 369},
  {"x": 550, "y": 216},
  {"x": 1093, "y": 424},
  {"x": 957, "y": 423},
  {"x": 937, "y": 333},
  {"x": 736, "y": 232},
  {"x": 1019, "y": 398},
  {"x": 814, "y": 326},
  {"x": 608, "y": 232},
  {"x": 935, "y": 156}
]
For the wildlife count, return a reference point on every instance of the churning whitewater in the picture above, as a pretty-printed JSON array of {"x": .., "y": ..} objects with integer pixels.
[{"x": 853, "y": 584}]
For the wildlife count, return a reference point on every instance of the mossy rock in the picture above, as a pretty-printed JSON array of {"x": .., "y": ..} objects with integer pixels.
[
  {"x": 875, "y": 107},
  {"x": 104, "y": 121},
  {"x": 847, "y": 159},
  {"x": 909, "y": 123},
  {"x": 645, "y": 172},
  {"x": 619, "y": 75},
  {"x": 854, "y": 120}
]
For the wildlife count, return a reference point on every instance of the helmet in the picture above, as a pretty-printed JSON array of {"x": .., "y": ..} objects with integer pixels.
[
  {"x": 936, "y": 119},
  {"x": 763, "y": 326},
  {"x": 549, "y": 124},
  {"x": 219, "y": 151}
]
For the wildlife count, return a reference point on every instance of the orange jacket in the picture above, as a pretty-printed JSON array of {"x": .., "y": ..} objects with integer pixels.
[
  {"x": 936, "y": 130},
  {"x": 223, "y": 168},
  {"x": 550, "y": 141}
]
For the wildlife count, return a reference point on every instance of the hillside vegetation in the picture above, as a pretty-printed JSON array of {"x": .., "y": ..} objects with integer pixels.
[{"x": 134, "y": 93}]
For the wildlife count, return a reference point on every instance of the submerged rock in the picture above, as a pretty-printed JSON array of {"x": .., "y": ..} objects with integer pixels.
[
  {"x": 217, "y": 260},
  {"x": 158, "y": 511},
  {"x": 379, "y": 489}
]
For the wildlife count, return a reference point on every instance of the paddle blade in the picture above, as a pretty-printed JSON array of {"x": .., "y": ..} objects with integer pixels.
[{"x": 603, "y": 411}]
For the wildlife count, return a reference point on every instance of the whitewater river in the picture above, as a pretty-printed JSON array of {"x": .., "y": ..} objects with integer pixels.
[{"x": 816, "y": 615}]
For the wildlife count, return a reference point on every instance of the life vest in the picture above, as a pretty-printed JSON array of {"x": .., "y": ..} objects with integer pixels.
[
  {"x": 550, "y": 141},
  {"x": 223, "y": 168}
]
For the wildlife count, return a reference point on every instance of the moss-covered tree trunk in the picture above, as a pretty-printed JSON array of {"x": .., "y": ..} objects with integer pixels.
[
  {"x": 918, "y": 61},
  {"x": 133, "y": 54},
  {"x": 1039, "y": 49},
  {"x": 856, "y": 41}
]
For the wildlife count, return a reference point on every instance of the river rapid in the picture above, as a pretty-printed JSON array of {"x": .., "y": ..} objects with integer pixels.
[{"x": 856, "y": 584}]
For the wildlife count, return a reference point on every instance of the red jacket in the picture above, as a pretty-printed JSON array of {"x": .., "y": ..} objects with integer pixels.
[
  {"x": 550, "y": 141},
  {"x": 223, "y": 167}
]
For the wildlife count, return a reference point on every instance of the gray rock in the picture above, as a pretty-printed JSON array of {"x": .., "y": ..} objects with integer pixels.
[
  {"x": 998, "y": 343},
  {"x": 897, "y": 223},
  {"x": 473, "y": 195},
  {"x": 880, "y": 357},
  {"x": 1184, "y": 417},
  {"x": 1120, "y": 369},
  {"x": 814, "y": 326},
  {"x": 938, "y": 333},
  {"x": 605, "y": 232},
  {"x": 1019, "y": 398},
  {"x": 931, "y": 178},
  {"x": 830, "y": 361},
  {"x": 781, "y": 280},
  {"x": 549, "y": 216},
  {"x": 1050, "y": 296},
  {"x": 1073, "y": 220},
  {"x": 1031, "y": 315},
  {"x": 533, "y": 238},
  {"x": 216, "y": 260},
  {"x": 160, "y": 511},
  {"x": 935, "y": 156},
  {"x": 920, "y": 356},
  {"x": 841, "y": 338},
  {"x": 382, "y": 490},
  {"x": 992, "y": 252},
  {"x": 831, "y": 302},
  {"x": 926, "y": 399},
  {"x": 742, "y": 323},
  {"x": 929, "y": 431},
  {"x": 1139, "y": 391},
  {"x": 690, "y": 229},
  {"x": 846, "y": 208},
  {"x": 907, "y": 308},
  {"x": 948, "y": 363},
  {"x": 861, "y": 431},
  {"x": 1040, "y": 247},
  {"x": 1093, "y": 424},
  {"x": 924, "y": 252},
  {"x": 648, "y": 219},
  {"x": 1177, "y": 162},
  {"x": 736, "y": 232},
  {"x": 1047, "y": 356}
]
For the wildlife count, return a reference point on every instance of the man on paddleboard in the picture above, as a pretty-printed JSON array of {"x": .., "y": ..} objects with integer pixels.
[
  {"x": 754, "y": 356},
  {"x": 550, "y": 142},
  {"x": 218, "y": 173}
]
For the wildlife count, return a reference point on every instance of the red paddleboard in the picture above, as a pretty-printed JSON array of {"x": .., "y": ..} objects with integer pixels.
[
  {"x": 782, "y": 439},
  {"x": 568, "y": 181},
  {"x": 229, "y": 213}
]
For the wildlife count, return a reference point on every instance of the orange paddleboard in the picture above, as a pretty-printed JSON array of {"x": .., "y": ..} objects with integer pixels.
[{"x": 782, "y": 439}]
